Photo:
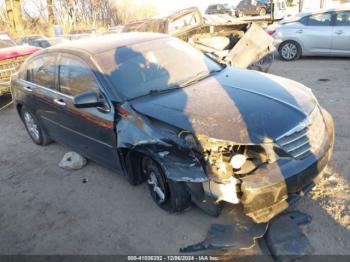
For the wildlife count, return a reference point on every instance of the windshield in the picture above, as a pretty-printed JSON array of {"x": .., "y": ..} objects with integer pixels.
[{"x": 154, "y": 66}]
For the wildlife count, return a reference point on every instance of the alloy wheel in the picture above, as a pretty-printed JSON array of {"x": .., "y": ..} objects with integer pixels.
[
  {"x": 289, "y": 51},
  {"x": 155, "y": 180},
  {"x": 31, "y": 125}
]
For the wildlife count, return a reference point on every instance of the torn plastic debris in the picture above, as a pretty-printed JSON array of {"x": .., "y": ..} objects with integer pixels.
[
  {"x": 243, "y": 235},
  {"x": 229, "y": 236},
  {"x": 290, "y": 244}
]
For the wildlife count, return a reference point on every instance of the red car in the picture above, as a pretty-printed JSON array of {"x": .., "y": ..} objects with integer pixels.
[{"x": 11, "y": 57}]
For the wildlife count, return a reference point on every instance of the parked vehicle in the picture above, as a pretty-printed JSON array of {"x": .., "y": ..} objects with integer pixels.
[
  {"x": 240, "y": 44},
  {"x": 162, "y": 112},
  {"x": 35, "y": 40},
  {"x": 11, "y": 57},
  {"x": 320, "y": 33},
  {"x": 220, "y": 9},
  {"x": 253, "y": 7}
]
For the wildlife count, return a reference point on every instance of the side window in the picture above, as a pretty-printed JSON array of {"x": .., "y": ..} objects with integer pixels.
[
  {"x": 320, "y": 20},
  {"x": 304, "y": 20},
  {"x": 42, "y": 71},
  {"x": 343, "y": 19},
  {"x": 76, "y": 77}
]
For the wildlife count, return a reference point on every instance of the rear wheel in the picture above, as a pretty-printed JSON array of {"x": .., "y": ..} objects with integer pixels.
[
  {"x": 289, "y": 50},
  {"x": 32, "y": 125},
  {"x": 169, "y": 195}
]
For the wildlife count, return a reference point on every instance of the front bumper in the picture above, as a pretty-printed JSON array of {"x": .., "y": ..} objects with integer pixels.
[{"x": 265, "y": 193}]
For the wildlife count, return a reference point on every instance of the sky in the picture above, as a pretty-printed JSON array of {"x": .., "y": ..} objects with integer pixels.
[
  {"x": 164, "y": 6},
  {"x": 168, "y": 5}
]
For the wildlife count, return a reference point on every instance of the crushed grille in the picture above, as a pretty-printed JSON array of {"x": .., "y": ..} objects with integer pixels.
[{"x": 305, "y": 138}]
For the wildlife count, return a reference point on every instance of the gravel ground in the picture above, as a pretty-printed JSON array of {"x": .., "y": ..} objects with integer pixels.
[
  {"x": 328, "y": 203},
  {"x": 47, "y": 210}
]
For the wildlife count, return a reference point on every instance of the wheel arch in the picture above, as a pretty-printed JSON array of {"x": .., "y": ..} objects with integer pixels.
[
  {"x": 19, "y": 107},
  {"x": 291, "y": 40},
  {"x": 176, "y": 165},
  {"x": 286, "y": 38}
]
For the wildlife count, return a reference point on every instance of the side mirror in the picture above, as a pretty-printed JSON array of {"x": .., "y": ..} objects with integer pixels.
[{"x": 87, "y": 99}]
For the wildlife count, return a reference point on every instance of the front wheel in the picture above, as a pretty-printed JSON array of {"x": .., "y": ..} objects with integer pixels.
[
  {"x": 169, "y": 195},
  {"x": 289, "y": 50}
]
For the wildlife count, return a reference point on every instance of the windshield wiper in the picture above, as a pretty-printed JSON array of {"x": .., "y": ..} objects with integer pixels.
[
  {"x": 161, "y": 91},
  {"x": 199, "y": 76}
]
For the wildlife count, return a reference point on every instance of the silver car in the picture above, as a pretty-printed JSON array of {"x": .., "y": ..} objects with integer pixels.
[{"x": 321, "y": 33}]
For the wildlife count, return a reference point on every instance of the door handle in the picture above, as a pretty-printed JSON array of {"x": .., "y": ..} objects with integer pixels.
[
  {"x": 60, "y": 102},
  {"x": 340, "y": 32},
  {"x": 299, "y": 31},
  {"x": 27, "y": 88}
]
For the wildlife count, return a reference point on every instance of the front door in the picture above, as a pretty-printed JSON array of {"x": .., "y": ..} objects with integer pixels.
[
  {"x": 341, "y": 34},
  {"x": 91, "y": 130},
  {"x": 316, "y": 35}
]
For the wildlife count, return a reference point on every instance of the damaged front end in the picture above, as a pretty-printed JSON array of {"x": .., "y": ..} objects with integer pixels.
[
  {"x": 242, "y": 46},
  {"x": 260, "y": 177},
  {"x": 214, "y": 170},
  {"x": 240, "y": 174}
]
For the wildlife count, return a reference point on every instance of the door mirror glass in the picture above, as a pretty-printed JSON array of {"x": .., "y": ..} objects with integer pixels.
[{"x": 88, "y": 99}]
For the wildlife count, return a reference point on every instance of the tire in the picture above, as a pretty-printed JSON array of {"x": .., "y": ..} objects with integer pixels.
[
  {"x": 33, "y": 127},
  {"x": 176, "y": 198},
  {"x": 289, "y": 50},
  {"x": 262, "y": 12}
]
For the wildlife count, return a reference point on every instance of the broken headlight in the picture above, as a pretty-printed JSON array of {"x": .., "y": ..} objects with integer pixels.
[
  {"x": 190, "y": 141},
  {"x": 224, "y": 159}
]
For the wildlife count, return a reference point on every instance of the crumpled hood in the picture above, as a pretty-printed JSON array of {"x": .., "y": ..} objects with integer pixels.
[{"x": 237, "y": 105}]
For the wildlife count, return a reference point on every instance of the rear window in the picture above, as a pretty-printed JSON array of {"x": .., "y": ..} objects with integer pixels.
[{"x": 186, "y": 21}]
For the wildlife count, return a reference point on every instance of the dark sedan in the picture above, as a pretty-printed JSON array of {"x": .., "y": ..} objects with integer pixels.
[
  {"x": 253, "y": 7},
  {"x": 160, "y": 111},
  {"x": 220, "y": 9}
]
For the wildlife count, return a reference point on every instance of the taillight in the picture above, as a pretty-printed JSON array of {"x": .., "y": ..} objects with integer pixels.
[{"x": 270, "y": 32}]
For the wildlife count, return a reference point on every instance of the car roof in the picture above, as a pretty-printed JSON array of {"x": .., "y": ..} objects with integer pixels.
[
  {"x": 325, "y": 10},
  {"x": 99, "y": 44}
]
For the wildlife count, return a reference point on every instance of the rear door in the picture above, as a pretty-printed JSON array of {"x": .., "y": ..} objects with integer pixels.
[
  {"x": 316, "y": 34},
  {"x": 41, "y": 83},
  {"x": 341, "y": 34},
  {"x": 89, "y": 130}
]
